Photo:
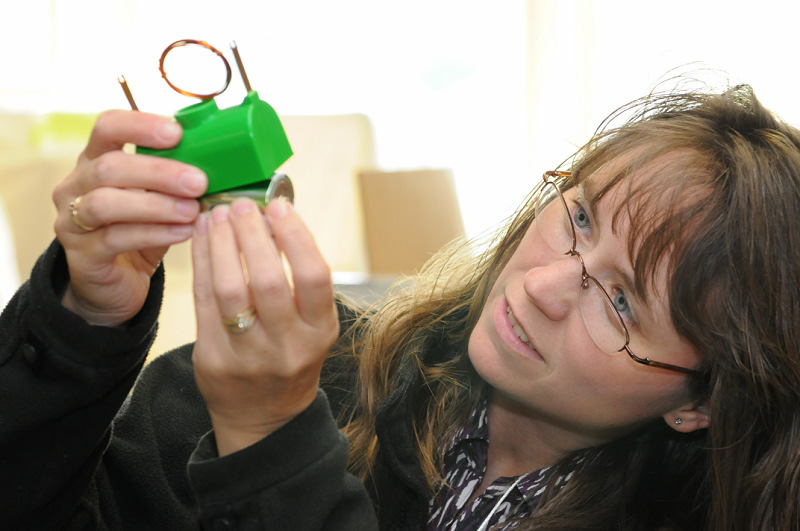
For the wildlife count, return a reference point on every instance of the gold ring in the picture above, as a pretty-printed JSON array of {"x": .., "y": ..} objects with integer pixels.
[
  {"x": 73, "y": 209},
  {"x": 241, "y": 322}
]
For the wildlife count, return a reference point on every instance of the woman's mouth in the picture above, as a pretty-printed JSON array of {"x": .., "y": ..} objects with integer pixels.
[{"x": 517, "y": 328}]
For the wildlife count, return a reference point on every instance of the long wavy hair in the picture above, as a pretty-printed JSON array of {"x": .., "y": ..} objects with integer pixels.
[{"x": 716, "y": 201}]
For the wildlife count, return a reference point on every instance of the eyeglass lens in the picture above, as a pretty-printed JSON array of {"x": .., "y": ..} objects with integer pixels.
[{"x": 602, "y": 321}]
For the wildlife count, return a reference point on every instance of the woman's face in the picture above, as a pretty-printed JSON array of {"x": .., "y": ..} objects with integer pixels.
[{"x": 532, "y": 346}]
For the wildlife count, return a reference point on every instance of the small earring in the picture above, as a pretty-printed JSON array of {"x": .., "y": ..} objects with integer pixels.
[{"x": 678, "y": 421}]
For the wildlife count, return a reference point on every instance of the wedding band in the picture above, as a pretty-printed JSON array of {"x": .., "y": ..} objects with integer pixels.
[
  {"x": 73, "y": 209},
  {"x": 241, "y": 322}
]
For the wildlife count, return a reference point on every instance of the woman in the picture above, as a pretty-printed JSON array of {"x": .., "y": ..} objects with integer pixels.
[
  {"x": 710, "y": 184},
  {"x": 626, "y": 344}
]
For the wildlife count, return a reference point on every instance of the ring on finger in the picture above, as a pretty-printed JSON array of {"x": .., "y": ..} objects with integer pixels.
[
  {"x": 241, "y": 322},
  {"x": 73, "y": 210}
]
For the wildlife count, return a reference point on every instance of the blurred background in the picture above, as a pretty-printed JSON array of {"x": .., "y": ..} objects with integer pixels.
[{"x": 460, "y": 99}]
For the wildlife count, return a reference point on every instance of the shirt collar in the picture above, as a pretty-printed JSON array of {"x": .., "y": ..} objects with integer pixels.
[{"x": 474, "y": 432}]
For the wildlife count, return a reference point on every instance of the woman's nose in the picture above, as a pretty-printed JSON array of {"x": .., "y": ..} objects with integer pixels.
[{"x": 554, "y": 287}]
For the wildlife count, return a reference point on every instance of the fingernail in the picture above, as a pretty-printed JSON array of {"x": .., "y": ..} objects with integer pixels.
[
  {"x": 187, "y": 207},
  {"x": 181, "y": 231},
  {"x": 220, "y": 213},
  {"x": 201, "y": 224},
  {"x": 169, "y": 132},
  {"x": 193, "y": 181},
  {"x": 241, "y": 207},
  {"x": 278, "y": 207}
]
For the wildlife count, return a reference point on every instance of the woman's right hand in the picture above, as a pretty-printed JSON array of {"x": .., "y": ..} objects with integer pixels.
[{"x": 130, "y": 209}]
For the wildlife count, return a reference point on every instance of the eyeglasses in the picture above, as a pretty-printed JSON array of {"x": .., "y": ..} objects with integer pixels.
[{"x": 598, "y": 310}]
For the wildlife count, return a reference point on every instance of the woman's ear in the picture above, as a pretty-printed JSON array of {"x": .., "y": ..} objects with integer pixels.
[{"x": 688, "y": 419}]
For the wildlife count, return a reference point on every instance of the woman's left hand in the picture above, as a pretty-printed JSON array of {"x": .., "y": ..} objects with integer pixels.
[{"x": 256, "y": 380}]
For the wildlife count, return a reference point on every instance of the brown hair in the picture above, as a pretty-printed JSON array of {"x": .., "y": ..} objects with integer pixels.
[
  {"x": 735, "y": 284},
  {"x": 719, "y": 196}
]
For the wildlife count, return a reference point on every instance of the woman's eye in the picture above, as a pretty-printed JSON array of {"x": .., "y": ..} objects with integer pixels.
[
  {"x": 581, "y": 217},
  {"x": 620, "y": 302}
]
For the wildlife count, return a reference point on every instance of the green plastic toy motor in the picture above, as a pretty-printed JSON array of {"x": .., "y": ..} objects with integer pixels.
[{"x": 239, "y": 148}]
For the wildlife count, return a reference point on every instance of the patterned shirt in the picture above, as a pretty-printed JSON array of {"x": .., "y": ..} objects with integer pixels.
[{"x": 464, "y": 466}]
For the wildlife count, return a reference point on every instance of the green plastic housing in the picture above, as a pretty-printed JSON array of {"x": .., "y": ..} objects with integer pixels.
[{"x": 235, "y": 147}]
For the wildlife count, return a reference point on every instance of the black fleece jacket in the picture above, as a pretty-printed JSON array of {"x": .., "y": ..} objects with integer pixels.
[{"x": 79, "y": 450}]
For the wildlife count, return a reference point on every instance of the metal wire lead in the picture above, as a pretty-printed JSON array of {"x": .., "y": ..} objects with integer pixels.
[
  {"x": 124, "y": 84},
  {"x": 239, "y": 63}
]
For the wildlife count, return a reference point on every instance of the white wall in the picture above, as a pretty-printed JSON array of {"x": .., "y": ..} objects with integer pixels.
[
  {"x": 587, "y": 58},
  {"x": 9, "y": 276}
]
